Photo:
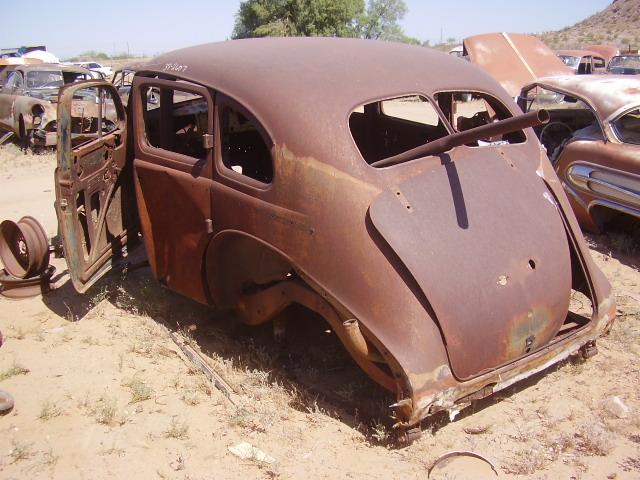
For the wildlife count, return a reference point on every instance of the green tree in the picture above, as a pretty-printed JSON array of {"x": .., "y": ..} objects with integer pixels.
[
  {"x": 328, "y": 18},
  {"x": 380, "y": 20},
  {"x": 264, "y": 18}
]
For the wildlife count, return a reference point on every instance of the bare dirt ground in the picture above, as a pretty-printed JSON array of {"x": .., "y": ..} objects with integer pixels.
[{"x": 103, "y": 392}]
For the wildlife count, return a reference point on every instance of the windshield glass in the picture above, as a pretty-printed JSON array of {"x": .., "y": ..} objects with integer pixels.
[
  {"x": 570, "y": 61},
  {"x": 628, "y": 61},
  {"x": 44, "y": 79}
]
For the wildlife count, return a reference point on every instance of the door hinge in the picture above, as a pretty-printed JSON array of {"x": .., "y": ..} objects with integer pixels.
[
  {"x": 207, "y": 141},
  {"x": 208, "y": 225}
]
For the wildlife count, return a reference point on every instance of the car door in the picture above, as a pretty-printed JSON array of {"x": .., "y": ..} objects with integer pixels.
[
  {"x": 173, "y": 130},
  {"x": 94, "y": 201}
]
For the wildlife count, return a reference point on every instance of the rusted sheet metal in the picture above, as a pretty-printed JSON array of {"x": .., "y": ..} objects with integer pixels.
[
  {"x": 513, "y": 59},
  {"x": 606, "y": 51},
  {"x": 444, "y": 276},
  {"x": 608, "y": 95},
  {"x": 600, "y": 168}
]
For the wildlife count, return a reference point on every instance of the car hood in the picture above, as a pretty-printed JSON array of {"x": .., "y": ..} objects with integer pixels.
[
  {"x": 483, "y": 238},
  {"x": 514, "y": 59}
]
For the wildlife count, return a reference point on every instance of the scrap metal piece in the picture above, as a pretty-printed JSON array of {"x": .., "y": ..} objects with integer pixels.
[
  {"x": 6, "y": 136},
  {"x": 6, "y": 402},
  {"x": 446, "y": 463},
  {"x": 24, "y": 247},
  {"x": 199, "y": 361},
  {"x": 18, "y": 288}
]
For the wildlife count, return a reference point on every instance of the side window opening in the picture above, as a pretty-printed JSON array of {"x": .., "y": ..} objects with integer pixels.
[
  {"x": 93, "y": 114},
  {"x": 627, "y": 127},
  {"x": 467, "y": 110},
  {"x": 176, "y": 120},
  {"x": 243, "y": 147},
  {"x": 388, "y": 127}
]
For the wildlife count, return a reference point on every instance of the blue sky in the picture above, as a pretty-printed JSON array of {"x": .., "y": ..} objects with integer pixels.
[{"x": 149, "y": 27}]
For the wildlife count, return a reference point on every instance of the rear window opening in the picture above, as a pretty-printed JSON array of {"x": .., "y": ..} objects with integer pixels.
[
  {"x": 467, "y": 110},
  {"x": 388, "y": 127}
]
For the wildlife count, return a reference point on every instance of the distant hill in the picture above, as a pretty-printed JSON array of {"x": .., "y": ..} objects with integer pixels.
[{"x": 618, "y": 24}]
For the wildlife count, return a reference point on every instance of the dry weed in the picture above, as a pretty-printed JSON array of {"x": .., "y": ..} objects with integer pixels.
[
  {"x": 140, "y": 391},
  {"x": 176, "y": 429},
  {"x": 20, "y": 450},
  {"x": 526, "y": 461},
  {"x": 14, "y": 370},
  {"x": 49, "y": 410},
  {"x": 105, "y": 411},
  {"x": 593, "y": 440}
]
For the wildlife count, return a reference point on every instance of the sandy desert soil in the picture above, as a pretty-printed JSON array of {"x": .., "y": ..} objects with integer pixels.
[{"x": 102, "y": 391}]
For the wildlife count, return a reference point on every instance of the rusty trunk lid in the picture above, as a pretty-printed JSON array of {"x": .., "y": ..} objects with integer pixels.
[{"x": 483, "y": 238}]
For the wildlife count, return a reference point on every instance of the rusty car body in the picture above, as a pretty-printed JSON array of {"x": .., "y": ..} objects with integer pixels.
[
  {"x": 28, "y": 100},
  {"x": 593, "y": 139},
  {"x": 394, "y": 190},
  {"x": 514, "y": 59},
  {"x": 605, "y": 51},
  {"x": 626, "y": 64},
  {"x": 583, "y": 61}
]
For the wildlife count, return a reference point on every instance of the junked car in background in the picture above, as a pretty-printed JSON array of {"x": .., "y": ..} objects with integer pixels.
[
  {"x": 583, "y": 61},
  {"x": 627, "y": 64},
  {"x": 28, "y": 101},
  {"x": 593, "y": 140},
  {"x": 438, "y": 243},
  {"x": 605, "y": 51},
  {"x": 105, "y": 72}
]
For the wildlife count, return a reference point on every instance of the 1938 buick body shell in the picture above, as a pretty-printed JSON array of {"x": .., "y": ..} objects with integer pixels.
[{"x": 446, "y": 276}]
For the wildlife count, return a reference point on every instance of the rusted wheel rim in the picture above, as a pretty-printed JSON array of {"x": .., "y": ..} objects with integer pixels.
[
  {"x": 41, "y": 249},
  {"x": 24, "y": 249},
  {"x": 6, "y": 402}
]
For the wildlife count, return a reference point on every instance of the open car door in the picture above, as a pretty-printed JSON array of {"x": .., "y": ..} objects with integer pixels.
[{"x": 94, "y": 201}]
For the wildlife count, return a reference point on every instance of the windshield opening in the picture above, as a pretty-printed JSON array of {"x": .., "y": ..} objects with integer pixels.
[
  {"x": 44, "y": 79},
  {"x": 570, "y": 61},
  {"x": 570, "y": 119}
]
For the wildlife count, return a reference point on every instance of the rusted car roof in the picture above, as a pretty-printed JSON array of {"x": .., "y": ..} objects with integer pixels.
[
  {"x": 609, "y": 95},
  {"x": 514, "y": 59},
  {"x": 304, "y": 79},
  {"x": 578, "y": 53},
  {"x": 51, "y": 66},
  {"x": 606, "y": 51}
]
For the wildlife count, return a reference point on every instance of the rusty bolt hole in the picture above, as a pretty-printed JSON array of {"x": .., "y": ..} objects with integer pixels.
[{"x": 532, "y": 265}]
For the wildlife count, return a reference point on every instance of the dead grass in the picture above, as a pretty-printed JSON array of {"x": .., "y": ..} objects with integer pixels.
[
  {"x": 140, "y": 390},
  {"x": 177, "y": 429},
  {"x": 593, "y": 440},
  {"x": 104, "y": 410},
  {"x": 20, "y": 451},
  {"x": 49, "y": 410},
  {"x": 11, "y": 157},
  {"x": 13, "y": 371},
  {"x": 526, "y": 461}
]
